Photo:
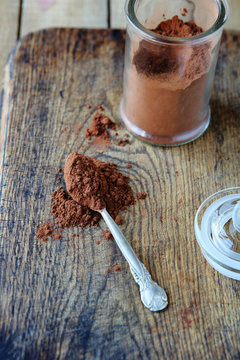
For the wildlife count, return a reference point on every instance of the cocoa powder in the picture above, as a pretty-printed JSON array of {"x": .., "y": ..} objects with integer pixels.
[
  {"x": 152, "y": 61},
  {"x": 69, "y": 213},
  {"x": 44, "y": 231},
  {"x": 141, "y": 195},
  {"x": 122, "y": 142},
  {"x": 164, "y": 96},
  {"x": 98, "y": 127},
  {"x": 117, "y": 268},
  {"x": 116, "y": 195},
  {"x": 108, "y": 236},
  {"x": 97, "y": 184},
  {"x": 84, "y": 182},
  {"x": 175, "y": 27}
]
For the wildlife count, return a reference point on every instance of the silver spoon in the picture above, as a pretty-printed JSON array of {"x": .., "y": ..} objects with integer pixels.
[{"x": 152, "y": 295}]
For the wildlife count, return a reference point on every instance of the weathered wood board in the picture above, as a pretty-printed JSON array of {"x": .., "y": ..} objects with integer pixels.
[{"x": 57, "y": 302}]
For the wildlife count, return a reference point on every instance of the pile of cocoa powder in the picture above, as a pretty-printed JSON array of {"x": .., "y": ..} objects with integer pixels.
[
  {"x": 175, "y": 27},
  {"x": 98, "y": 127},
  {"x": 152, "y": 61},
  {"x": 116, "y": 195},
  {"x": 99, "y": 130}
]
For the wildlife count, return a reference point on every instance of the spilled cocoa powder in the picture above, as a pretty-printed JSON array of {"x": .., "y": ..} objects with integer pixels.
[
  {"x": 108, "y": 236},
  {"x": 44, "y": 231},
  {"x": 122, "y": 142},
  {"x": 68, "y": 213},
  {"x": 99, "y": 127},
  {"x": 142, "y": 195},
  {"x": 116, "y": 194},
  {"x": 117, "y": 268}
]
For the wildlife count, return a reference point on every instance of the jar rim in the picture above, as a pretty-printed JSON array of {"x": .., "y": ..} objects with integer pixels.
[
  {"x": 227, "y": 264},
  {"x": 218, "y": 24}
]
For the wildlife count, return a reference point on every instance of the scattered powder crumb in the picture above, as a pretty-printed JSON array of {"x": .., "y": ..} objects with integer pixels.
[
  {"x": 118, "y": 220},
  {"x": 116, "y": 133},
  {"x": 97, "y": 242},
  {"x": 57, "y": 236},
  {"x": 43, "y": 231},
  {"x": 88, "y": 106},
  {"x": 73, "y": 235},
  {"x": 185, "y": 10},
  {"x": 183, "y": 14},
  {"x": 142, "y": 195},
  {"x": 98, "y": 127},
  {"x": 129, "y": 166},
  {"x": 177, "y": 172},
  {"x": 100, "y": 107},
  {"x": 176, "y": 219},
  {"x": 108, "y": 236},
  {"x": 122, "y": 142},
  {"x": 161, "y": 218},
  {"x": 78, "y": 128},
  {"x": 117, "y": 268},
  {"x": 63, "y": 130},
  {"x": 127, "y": 135},
  {"x": 108, "y": 271}
]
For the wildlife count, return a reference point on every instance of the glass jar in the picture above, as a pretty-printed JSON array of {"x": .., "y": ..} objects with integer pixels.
[{"x": 168, "y": 80}]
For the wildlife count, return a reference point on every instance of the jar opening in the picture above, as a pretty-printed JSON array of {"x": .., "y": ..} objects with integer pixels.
[{"x": 145, "y": 15}]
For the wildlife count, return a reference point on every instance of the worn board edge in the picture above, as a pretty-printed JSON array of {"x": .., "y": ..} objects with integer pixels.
[{"x": 5, "y": 109}]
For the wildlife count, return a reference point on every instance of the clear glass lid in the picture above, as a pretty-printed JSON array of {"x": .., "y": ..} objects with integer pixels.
[{"x": 217, "y": 229}]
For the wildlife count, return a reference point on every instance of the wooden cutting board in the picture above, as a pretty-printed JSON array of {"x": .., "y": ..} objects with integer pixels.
[{"x": 57, "y": 301}]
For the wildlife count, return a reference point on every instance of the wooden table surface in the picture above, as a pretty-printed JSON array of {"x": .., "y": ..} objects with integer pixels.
[
  {"x": 57, "y": 301},
  {"x": 19, "y": 17},
  {"x": 203, "y": 319}
]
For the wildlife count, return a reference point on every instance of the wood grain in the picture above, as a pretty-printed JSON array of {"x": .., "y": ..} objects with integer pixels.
[
  {"x": 57, "y": 302},
  {"x": 9, "y": 14},
  {"x": 40, "y": 14}
]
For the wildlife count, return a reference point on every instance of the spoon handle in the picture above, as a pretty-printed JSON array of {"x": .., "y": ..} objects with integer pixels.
[{"x": 148, "y": 288}]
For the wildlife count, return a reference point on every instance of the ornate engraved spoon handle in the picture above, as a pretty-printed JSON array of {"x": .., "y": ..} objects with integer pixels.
[{"x": 152, "y": 295}]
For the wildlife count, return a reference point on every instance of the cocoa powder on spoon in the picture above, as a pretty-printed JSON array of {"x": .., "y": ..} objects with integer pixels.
[{"x": 108, "y": 186}]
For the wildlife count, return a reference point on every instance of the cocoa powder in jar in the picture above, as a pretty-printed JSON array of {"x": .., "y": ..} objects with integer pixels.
[{"x": 165, "y": 85}]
